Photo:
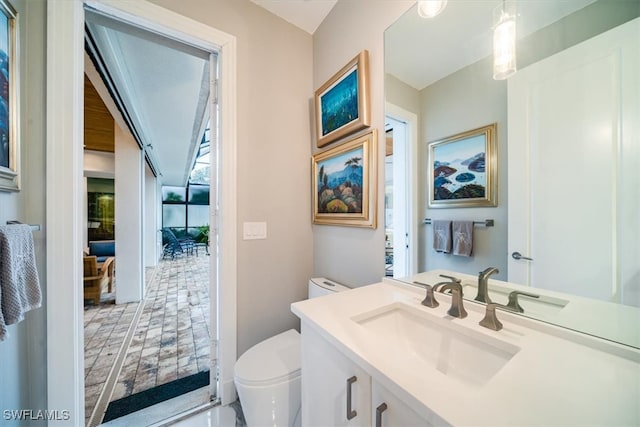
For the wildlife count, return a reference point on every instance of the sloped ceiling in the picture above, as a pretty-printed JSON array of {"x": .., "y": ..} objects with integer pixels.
[
  {"x": 164, "y": 88},
  {"x": 304, "y": 14}
]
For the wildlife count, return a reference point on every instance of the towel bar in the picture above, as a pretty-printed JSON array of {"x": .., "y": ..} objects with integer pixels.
[
  {"x": 486, "y": 222},
  {"x": 34, "y": 227}
]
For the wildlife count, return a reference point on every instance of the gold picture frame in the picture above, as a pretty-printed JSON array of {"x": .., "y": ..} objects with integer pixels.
[
  {"x": 342, "y": 103},
  {"x": 344, "y": 183},
  {"x": 9, "y": 105},
  {"x": 463, "y": 169}
]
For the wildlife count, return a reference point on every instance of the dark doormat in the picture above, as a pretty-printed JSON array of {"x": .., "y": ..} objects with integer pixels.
[{"x": 144, "y": 399}]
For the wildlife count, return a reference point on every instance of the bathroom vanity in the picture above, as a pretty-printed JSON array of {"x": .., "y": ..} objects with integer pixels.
[{"x": 375, "y": 356}]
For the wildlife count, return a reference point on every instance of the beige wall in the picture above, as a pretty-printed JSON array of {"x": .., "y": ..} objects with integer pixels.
[
  {"x": 354, "y": 256},
  {"x": 274, "y": 84},
  {"x": 23, "y": 354}
]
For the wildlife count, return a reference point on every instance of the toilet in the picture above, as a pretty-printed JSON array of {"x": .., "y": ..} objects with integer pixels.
[{"x": 267, "y": 376}]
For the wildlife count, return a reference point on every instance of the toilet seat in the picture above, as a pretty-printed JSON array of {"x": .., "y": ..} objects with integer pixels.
[{"x": 271, "y": 361}]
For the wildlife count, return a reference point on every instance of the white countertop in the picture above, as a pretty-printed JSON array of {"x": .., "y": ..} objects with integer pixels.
[{"x": 558, "y": 377}]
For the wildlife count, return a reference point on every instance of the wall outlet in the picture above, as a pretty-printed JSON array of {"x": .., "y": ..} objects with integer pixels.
[{"x": 254, "y": 230}]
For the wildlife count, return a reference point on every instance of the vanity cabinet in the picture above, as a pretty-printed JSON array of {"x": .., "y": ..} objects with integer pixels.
[
  {"x": 337, "y": 392},
  {"x": 328, "y": 379}
]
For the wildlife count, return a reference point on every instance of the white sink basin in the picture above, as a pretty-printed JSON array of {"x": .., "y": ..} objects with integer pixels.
[
  {"x": 414, "y": 337},
  {"x": 543, "y": 306}
]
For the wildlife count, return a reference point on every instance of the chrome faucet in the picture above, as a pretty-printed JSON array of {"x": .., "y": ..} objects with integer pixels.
[{"x": 483, "y": 284}]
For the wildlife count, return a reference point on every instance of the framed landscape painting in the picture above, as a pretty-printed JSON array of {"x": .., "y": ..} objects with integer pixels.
[
  {"x": 462, "y": 169},
  {"x": 342, "y": 103},
  {"x": 9, "y": 143},
  {"x": 344, "y": 180}
]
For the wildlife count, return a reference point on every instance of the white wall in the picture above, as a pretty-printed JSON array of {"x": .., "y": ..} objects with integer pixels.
[
  {"x": 149, "y": 218},
  {"x": 98, "y": 164},
  {"x": 354, "y": 256},
  {"x": 452, "y": 105},
  {"x": 23, "y": 354},
  {"x": 274, "y": 61},
  {"x": 129, "y": 209}
]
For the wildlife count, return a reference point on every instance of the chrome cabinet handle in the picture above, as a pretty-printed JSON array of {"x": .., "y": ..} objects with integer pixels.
[
  {"x": 350, "y": 413},
  {"x": 518, "y": 255},
  {"x": 379, "y": 410}
]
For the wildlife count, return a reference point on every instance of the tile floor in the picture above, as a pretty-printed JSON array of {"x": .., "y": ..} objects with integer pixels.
[{"x": 171, "y": 338}]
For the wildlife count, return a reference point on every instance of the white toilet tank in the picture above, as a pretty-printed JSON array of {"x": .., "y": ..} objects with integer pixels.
[
  {"x": 267, "y": 376},
  {"x": 320, "y": 286}
]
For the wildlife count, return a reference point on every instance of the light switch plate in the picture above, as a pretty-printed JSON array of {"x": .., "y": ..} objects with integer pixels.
[{"x": 254, "y": 230}]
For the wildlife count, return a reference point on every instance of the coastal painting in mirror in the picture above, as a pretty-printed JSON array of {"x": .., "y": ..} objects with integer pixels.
[
  {"x": 344, "y": 178},
  {"x": 462, "y": 169},
  {"x": 342, "y": 103},
  {"x": 9, "y": 148}
]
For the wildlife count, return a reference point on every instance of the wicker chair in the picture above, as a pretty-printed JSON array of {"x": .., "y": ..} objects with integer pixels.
[{"x": 96, "y": 281}]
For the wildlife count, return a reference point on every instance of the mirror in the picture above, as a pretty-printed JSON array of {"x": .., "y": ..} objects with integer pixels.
[{"x": 440, "y": 71}]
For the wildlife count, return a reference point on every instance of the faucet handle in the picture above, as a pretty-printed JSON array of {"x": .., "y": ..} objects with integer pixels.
[
  {"x": 513, "y": 300},
  {"x": 452, "y": 278},
  {"x": 490, "y": 320},
  {"x": 430, "y": 299},
  {"x": 457, "y": 307}
]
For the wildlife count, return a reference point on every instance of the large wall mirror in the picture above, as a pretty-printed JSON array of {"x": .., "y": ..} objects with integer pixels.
[{"x": 566, "y": 225}]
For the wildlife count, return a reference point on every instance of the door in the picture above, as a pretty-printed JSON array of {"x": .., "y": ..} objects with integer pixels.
[{"x": 573, "y": 172}]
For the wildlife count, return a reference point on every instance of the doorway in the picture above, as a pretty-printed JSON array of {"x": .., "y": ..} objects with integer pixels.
[
  {"x": 161, "y": 88},
  {"x": 64, "y": 170},
  {"x": 400, "y": 188}
]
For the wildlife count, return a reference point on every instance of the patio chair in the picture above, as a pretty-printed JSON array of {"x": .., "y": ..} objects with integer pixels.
[
  {"x": 173, "y": 245},
  {"x": 95, "y": 281}
]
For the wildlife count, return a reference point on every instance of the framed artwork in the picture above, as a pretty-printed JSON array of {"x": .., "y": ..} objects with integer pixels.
[
  {"x": 342, "y": 103},
  {"x": 344, "y": 181},
  {"x": 462, "y": 169},
  {"x": 9, "y": 139}
]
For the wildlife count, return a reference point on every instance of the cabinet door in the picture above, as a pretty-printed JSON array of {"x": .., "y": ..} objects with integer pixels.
[
  {"x": 325, "y": 385},
  {"x": 388, "y": 410}
]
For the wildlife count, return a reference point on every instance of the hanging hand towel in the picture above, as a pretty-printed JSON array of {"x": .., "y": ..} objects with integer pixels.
[
  {"x": 442, "y": 236},
  {"x": 462, "y": 238},
  {"x": 19, "y": 283}
]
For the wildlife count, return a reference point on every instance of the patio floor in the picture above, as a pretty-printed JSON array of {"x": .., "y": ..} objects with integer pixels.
[{"x": 169, "y": 340}]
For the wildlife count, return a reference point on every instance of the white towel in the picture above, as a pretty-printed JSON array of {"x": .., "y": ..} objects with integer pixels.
[
  {"x": 462, "y": 238},
  {"x": 19, "y": 283},
  {"x": 442, "y": 236}
]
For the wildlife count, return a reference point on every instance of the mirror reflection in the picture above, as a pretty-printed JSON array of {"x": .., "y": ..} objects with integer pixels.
[{"x": 563, "y": 245}]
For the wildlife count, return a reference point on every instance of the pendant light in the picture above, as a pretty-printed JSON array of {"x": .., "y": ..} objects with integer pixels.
[
  {"x": 504, "y": 41},
  {"x": 431, "y": 8}
]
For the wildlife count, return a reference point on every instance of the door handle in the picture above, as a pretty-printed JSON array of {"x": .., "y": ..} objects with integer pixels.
[
  {"x": 350, "y": 413},
  {"x": 518, "y": 255}
]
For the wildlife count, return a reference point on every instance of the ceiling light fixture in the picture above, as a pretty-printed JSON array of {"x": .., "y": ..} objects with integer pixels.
[
  {"x": 431, "y": 8},
  {"x": 504, "y": 40}
]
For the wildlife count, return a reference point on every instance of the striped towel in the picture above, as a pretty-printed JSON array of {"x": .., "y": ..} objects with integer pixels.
[{"x": 19, "y": 282}]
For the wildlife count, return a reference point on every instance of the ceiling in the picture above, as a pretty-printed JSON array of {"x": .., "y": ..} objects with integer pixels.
[
  {"x": 304, "y": 14},
  {"x": 413, "y": 44},
  {"x": 163, "y": 87}
]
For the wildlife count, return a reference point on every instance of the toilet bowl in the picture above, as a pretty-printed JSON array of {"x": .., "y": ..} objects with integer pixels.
[{"x": 267, "y": 376}]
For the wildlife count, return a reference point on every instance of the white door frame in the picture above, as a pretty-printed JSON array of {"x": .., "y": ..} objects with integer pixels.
[
  {"x": 411, "y": 177},
  {"x": 64, "y": 104}
]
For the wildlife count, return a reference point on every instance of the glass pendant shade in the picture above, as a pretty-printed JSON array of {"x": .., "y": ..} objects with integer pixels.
[
  {"x": 504, "y": 45},
  {"x": 431, "y": 8}
]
